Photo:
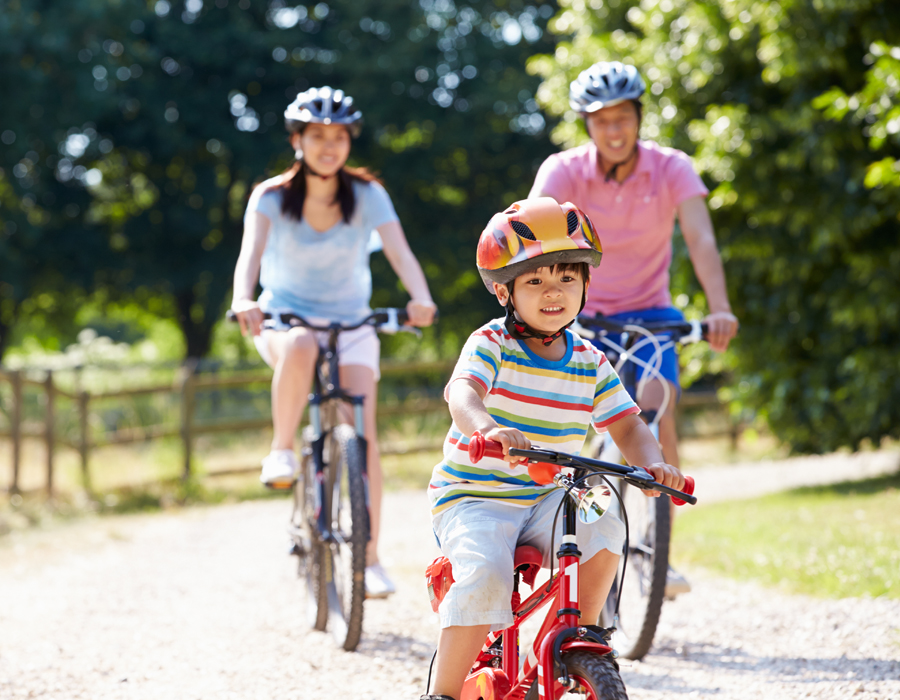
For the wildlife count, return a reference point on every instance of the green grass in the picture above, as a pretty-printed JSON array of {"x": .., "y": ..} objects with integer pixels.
[{"x": 835, "y": 541}]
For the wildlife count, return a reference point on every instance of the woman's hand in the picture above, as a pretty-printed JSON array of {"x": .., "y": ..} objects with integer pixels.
[
  {"x": 509, "y": 437},
  {"x": 248, "y": 315},
  {"x": 421, "y": 313},
  {"x": 667, "y": 475}
]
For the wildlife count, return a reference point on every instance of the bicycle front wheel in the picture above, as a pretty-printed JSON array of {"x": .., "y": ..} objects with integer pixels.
[
  {"x": 346, "y": 554},
  {"x": 644, "y": 585},
  {"x": 594, "y": 677}
]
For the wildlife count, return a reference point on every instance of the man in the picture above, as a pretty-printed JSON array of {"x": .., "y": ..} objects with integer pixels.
[{"x": 632, "y": 191}]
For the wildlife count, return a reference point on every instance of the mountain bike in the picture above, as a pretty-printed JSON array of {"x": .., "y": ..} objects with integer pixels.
[
  {"x": 566, "y": 659},
  {"x": 329, "y": 526},
  {"x": 642, "y": 591}
]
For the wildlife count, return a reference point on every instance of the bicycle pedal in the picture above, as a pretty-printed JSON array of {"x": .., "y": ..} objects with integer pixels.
[{"x": 280, "y": 485}]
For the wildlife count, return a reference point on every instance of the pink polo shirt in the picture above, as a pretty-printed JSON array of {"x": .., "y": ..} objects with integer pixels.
[{"x": 634, "y": 219}]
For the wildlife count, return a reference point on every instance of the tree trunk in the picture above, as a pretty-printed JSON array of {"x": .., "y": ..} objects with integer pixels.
[{"x": 197, "y": 335}]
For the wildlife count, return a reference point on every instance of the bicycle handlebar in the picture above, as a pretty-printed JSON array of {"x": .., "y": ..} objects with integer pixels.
[
  {"x": 385, "y": 320},
  {"x": 686, "y": 331},
  {"x": 544, "y": 465}
]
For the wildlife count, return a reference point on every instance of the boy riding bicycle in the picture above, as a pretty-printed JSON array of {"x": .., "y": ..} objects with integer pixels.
[{"x": 523, "y": 378}]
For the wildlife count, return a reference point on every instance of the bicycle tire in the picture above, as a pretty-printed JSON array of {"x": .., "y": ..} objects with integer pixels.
[
  {"x": 346, "y": 556},
  {"x": 644, "y": 584},
  {"x": 311, "y": 552},
  {"x": 596, "y": 677}
]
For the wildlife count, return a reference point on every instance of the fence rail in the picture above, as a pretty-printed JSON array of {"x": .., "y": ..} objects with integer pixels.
[{"x": 188, "y": 382}]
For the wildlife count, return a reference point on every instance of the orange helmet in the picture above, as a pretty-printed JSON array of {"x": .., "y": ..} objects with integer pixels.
[{"x": 535, "y": 233}]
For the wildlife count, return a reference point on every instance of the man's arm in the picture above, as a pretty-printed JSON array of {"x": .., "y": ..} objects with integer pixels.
[{"x": 697, "y": 228}]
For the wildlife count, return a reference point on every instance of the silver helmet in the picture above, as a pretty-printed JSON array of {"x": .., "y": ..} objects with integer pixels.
[
  {"x": 323, "y": 105},
  {"x": 605, "y": 84}
]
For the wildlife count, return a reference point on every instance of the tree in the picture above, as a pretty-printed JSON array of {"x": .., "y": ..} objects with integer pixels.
[
  {"x": 179, "y": 113},
  {"x": 797, "y": 135}
]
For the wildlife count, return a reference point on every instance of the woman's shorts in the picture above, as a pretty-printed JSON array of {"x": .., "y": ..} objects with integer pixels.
[
  {"x": 669, "y": 366},
  {"x": 360, "y": 346},
  {"x": 480, "y": 539}
]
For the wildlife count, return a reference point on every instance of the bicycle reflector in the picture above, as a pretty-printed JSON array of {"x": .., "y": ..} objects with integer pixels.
[{"x": 438, "y": 578}]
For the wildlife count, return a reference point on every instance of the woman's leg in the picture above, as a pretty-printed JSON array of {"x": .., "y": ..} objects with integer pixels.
[
  {"x": 360, "y": 380},
  {"x": 294, "y": 355}
]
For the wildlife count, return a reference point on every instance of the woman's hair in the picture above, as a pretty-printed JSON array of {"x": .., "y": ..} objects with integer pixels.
[{"x": 293, "y": 189}]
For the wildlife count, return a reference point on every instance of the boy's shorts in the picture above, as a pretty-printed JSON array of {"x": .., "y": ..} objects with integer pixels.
[
  {"x": 669, "y": 366},
  {"x": 480, "y": 538},
  {"x": 360, "y": 346}
]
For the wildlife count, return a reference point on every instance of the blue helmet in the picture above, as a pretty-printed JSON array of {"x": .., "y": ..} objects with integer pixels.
[
  {"x": 323, "y": 105},
  {"x": 605, "y": 84}
]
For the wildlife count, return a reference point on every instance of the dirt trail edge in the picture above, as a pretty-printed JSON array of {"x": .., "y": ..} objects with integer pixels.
[{"x": 205, "y": 603}]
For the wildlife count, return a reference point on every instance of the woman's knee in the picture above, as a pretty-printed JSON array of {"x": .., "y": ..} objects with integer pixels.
[{"x": 298, "y": 347}]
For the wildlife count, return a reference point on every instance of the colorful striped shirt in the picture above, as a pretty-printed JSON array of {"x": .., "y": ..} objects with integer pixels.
[{"x": 552, "y": 402}]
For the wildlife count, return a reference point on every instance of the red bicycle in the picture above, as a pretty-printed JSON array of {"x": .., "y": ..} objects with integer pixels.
[{"x": 566, "y": 659}]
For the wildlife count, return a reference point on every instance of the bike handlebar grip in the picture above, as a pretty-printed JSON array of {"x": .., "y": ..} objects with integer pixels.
[
  {"x": 543, "y": 472},
  {"x": 479, "y": 447},
  {"x": 230, "y": 315},
  {"x": 688, "y": 489}
]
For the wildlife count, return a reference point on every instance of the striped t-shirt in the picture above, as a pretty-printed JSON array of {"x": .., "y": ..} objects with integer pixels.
[{"x": 552, "y": 402}]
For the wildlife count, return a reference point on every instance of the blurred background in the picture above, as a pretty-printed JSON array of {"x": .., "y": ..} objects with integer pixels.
[{"x": 131, "y": 134}]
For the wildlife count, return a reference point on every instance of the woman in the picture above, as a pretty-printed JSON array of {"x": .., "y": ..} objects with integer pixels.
[{"x": 308, "y": 233}]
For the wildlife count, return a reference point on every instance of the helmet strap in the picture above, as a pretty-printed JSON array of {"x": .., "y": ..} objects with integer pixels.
[
  {"x": 611, "y": 173},
  {"x": 307, "y": 169}
]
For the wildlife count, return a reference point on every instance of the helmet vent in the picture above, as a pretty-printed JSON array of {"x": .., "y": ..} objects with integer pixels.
[
  {"x": 522, "y": 230},
  {"x": 572, "y": 221}
]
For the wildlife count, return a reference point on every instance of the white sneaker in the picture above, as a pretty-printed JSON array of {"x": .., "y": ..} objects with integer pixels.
[
  {"x": 676, "y": 584},
  {"x": 279, "y": 469},
  {"x": 378, "y": 583}
]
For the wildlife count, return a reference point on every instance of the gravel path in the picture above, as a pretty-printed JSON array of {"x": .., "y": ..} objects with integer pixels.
[{"x": 204, "y": 603}]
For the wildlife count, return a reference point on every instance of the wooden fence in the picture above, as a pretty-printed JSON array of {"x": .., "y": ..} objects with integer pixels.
[{"x": 186, "y": 385}]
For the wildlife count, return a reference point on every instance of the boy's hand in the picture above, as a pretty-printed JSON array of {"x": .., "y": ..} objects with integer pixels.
[
  {"x": 509, "y": 437},
  {"x": 667, "y": 475}
]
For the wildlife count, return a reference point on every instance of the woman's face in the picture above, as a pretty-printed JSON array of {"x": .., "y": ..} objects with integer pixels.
[
  {"x": 614, "y": 130},
  {"x": 325, "y": 147}
]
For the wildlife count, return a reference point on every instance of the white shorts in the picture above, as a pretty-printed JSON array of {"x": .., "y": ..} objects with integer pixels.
[
  {"x": 480, "y": 539},
  {"x": 360, "y": 346}
]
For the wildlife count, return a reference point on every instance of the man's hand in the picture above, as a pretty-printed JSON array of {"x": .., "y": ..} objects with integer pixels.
[
  {"x": 509, "y": 437},
  {"x": 248, "y": 315},
  {"x": 723, "y": 326},
  {"x": 667, "y": 475}
]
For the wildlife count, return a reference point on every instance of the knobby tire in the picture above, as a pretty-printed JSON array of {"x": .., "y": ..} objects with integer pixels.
[{"x": 596, "y": 674}]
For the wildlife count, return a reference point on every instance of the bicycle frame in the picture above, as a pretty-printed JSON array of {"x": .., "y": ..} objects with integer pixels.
[
  {"x": 562, "y": 632},
  {"x": 324, "y": 406}
]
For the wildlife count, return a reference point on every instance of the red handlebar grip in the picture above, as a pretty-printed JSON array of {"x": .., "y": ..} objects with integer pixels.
[
  {"x": 479, "y": 447},
  {"x": 688, "y": 489}
]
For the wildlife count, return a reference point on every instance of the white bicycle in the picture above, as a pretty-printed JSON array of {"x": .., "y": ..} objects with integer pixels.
[{"x": 635, "y": 614}]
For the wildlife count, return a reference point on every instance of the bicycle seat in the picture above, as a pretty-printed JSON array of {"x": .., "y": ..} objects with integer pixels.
[{"x": 528, "y": 561}]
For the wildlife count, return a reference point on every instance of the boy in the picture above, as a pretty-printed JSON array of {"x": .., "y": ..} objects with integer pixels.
[{"x": 524, "y": 378}]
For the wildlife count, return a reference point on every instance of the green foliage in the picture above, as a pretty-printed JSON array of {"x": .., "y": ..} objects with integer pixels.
[
  {"x": 790, "y": 110},
  {"x": 835, "y": 541},
  {"x": 138, "y": 130}
]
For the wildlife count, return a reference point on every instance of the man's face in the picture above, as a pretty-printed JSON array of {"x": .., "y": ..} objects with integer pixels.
[{"x": 614, "y": 130}]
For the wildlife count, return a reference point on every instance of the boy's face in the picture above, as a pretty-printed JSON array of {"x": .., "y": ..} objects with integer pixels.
[{"x": 545, "y": 298}]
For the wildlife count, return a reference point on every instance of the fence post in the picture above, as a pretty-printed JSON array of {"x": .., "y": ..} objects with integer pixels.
[
  {"x": 84, "y": 443},
  {"x": 50, "y": 391},
  {"x": 15, "y": 378},
  {"x": 188, "y": 372}
]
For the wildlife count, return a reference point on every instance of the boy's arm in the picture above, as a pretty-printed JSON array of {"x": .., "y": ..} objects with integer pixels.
[
  {"x": 466, "y": 399},
  {"x": 640, "y": 448}
]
